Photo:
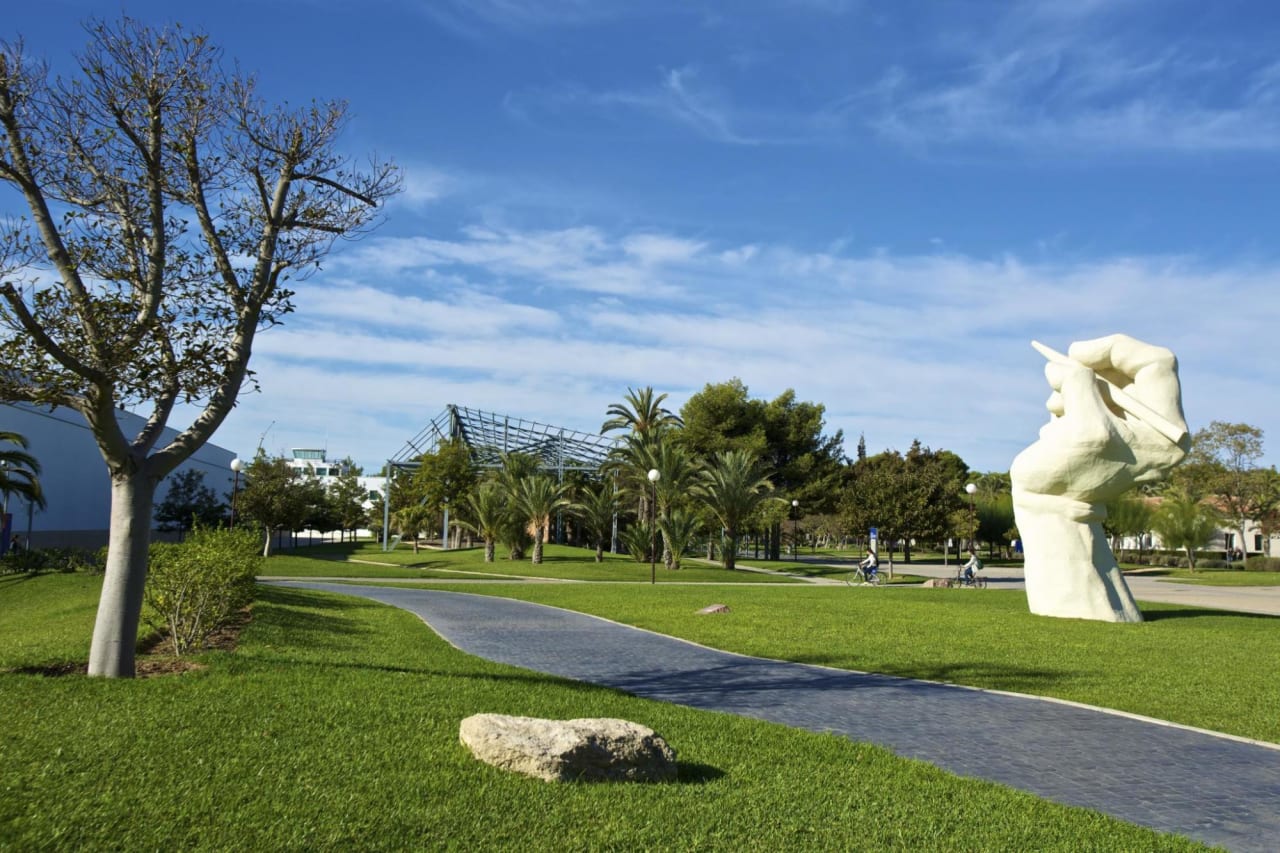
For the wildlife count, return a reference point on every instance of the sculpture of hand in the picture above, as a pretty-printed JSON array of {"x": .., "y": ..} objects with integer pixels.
[{"x": 1094, "y": 448}]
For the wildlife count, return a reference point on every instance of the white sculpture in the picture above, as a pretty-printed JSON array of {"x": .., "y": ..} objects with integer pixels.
[{"x": 1116, "y": 421}]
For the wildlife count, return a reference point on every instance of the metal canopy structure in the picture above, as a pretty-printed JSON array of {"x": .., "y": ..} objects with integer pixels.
[{"x": 488, "y": 436}]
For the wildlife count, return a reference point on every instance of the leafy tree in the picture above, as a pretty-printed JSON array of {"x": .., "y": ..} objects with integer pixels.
[
  {"x": 996, "y": 524},
  {"x": 536, "y": 500},
  {"x": 19, "y": 470},
  {"x": 273, "y": 495},
  {"x": 916, "y": 496},
  {"x": 189, "y": 502},
  {"x": 733, "y": 488},
  {"x": 1186, "y": 523},
  {"x": 347, "y": 497},
  {"x": 412, "y": 520},
  {"x": 168, "y": 207},
  {"x": 1230, "y": 453},
  {"x": 1128, "y": 515},
  {"x": 597, "y": 511},
  {"x": 446, "y": 475},
  {"x": 784, "y": 434}
]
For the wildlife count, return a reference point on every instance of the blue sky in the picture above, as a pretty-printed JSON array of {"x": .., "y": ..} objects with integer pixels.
[{"x": 876, "y": 204}]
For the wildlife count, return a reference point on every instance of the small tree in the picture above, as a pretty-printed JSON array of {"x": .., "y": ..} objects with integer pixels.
[
  {"x": 597, "y": 511},
  {"x": 733, "y": 488},
  {"x": 680, "y": 529},
  {"x": 412, "y": 520},
  {"x": 536, "y": 501},
  {"x": 347, "y": 497},
  {"x": 486, "y": 514},
  {"x": 274, "y": 495},
  {"x": 189, "y": 502},
  {"x": 1186, "y": 523},
  {"x": 168, "y": 207}
]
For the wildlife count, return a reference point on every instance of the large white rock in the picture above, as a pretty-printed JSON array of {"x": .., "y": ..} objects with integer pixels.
[
  {"x": 1116, "y": 422},
  {"x": 589, "y": 750}
]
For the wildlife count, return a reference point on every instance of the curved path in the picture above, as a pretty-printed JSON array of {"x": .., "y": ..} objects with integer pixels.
[{"x": 1218, "y": 789}]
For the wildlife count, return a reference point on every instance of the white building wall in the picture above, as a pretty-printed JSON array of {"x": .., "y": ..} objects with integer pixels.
[{"x": 74, "y": 477}]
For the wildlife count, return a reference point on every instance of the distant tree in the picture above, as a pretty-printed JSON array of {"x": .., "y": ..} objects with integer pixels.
[
  {"x": 189, "y": 501},
  {"x": 733, "y": 488},
  {"x": 446, "y": 475},
  {"x": 916, "y": 496},
  {"x": 1128, "y": 515},
  {"x": 273, "y": 495},
  {"x": 516, "y": 468},
  {"x": 168, "y": 207},
  {"x": 347, "y": 498},
  {"x": 19, "y": 470},
  {"x": 412, "y": 520},
  {"x": 1230, "y": 454},
  {"x": 1186, "y": 523}
]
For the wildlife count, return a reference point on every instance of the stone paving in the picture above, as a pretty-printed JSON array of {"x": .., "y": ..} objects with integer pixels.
[{"x": 1217, "y": 789}]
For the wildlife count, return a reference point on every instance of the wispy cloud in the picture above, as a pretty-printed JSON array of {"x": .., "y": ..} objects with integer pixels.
[
  {"x": 1081, "y": 82},
  {"x": 898, "y": 347}
]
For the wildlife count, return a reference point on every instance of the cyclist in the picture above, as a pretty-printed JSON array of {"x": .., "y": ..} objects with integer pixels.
[
  {"x": 870, "y": 566},
  {"x": 974, "y": 565}
]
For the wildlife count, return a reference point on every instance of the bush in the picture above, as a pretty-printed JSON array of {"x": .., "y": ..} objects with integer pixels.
[
  {"x": 196, "y": 586},
  {"x": 34, "y": 560},
  {"x": 1212, "y": 564},
  {"x": 1260, "y": 563}
]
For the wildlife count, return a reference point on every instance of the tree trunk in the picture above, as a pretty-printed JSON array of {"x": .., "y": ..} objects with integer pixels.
[
  {"x": 731, "y": 551},
  {"x": 599, "y": 552},
  {"x": 489, "y": 548},
  {"x": 537, "y": 545},
  {"x": 115, "y": 631},
  {"x": 266, "y": 546}
]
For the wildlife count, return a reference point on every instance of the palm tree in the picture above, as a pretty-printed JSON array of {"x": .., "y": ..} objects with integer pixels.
[
  {"x": 641, "y": 413},
  {"x": 596, "y": 511},
  {"x": 678, "y": 475},
  {"x": 733, "y": 488},
  {"x": 19, "y": 471},
  {"x": 487, "y": 512},
  {"x": 538, "y": 497},
  {"x": 1186, "y": 523},
  {"x": 680, "y": 528},
  {"x": 516, "y": 468}
]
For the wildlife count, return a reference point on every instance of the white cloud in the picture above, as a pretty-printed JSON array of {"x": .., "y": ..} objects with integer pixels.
[{"x": 933, "y": 347}]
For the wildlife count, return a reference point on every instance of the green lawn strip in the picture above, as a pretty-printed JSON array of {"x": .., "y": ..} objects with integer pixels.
[
  {"x": 559, "y": 563},
  {"x": 1209, "y": 669},
  {"x": 1218, "y": 577},
  {"x": 335, "y": 725}
]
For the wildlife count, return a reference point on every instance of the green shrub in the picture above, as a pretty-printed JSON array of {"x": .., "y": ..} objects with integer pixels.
[
  {"x": 1260, "y": 563},
  {"x": 196, "y": 586},
  {"x": 1212, "y": 564}
]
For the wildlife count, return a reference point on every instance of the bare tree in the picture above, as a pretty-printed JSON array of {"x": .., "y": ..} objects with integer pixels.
[{"x": 168, "y": 207}]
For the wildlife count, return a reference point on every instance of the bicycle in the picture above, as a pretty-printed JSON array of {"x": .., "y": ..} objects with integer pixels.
[
  {"x": 864, "y": 577},
  {"x": 976, "y": 581}
]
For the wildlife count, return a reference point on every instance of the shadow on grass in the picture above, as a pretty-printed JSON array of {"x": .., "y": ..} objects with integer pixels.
[
  {"x": 296, "y": 614},
  {"x": 1152, "y": 615},
  {"x": 692, "y": 773},
  {"x": 14, "y": 578}
]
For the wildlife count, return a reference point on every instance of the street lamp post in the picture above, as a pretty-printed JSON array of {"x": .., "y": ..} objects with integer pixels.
[
  {"x": 654, "y": 476},
  {"x": 795, "y": 521},
  {"x": 971, "y": 489},
  {"x": 237, "y": 465}
]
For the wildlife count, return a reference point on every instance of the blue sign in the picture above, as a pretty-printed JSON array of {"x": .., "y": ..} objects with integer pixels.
[{"x": 875, "y": 533}]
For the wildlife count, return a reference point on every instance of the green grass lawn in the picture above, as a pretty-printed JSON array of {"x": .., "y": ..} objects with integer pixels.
[
  {"x": 559, "y": 563},
  {"x": 334, "y": 725},
  {"x": 1216, "y": 577}
]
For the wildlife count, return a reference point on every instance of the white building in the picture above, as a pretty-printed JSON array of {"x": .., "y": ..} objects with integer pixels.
[
  {"x": 74, "y": 477},
  {"x": 316, "y": 462}
]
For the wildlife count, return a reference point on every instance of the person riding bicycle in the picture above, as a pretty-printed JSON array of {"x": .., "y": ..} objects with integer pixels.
[
  {"x": 870, "y": 565},
  {"x": 974, "y": 565}
]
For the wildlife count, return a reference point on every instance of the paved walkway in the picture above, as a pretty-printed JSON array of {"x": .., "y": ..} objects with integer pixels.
[{"x": 1220, "y": 790}]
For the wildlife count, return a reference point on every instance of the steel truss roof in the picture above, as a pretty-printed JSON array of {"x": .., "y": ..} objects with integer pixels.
[{"x": 488, "y": 436}]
